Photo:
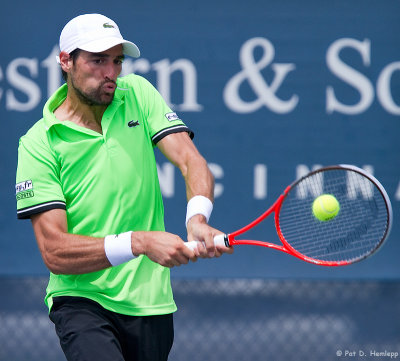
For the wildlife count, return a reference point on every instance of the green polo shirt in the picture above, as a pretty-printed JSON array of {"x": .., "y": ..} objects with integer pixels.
[{"x": 108, "y": 184}]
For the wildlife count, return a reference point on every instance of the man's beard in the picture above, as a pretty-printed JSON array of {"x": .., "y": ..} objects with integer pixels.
[{"x": 94, "y": 96}]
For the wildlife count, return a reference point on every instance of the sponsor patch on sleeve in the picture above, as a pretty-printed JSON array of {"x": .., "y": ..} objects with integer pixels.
[
  {"x": 24, "y": 190},
  {"x": 171, "y": 116}
]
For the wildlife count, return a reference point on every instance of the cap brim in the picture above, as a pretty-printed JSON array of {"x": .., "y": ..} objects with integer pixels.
[{"x": 97, "y": 46}]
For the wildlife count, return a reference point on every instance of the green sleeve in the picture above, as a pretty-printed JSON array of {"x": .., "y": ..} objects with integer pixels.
[
  {"x": 38, "y": 186},
  {"x": 161, "y": 120}
]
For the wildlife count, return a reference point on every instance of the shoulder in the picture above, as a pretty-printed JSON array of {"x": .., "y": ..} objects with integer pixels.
[
  {"x": 138, "y": 87},
  {"x": 133, "y": 81},
  {"x": 36, "y": 131},
  {"x": 35, "y": 139}
]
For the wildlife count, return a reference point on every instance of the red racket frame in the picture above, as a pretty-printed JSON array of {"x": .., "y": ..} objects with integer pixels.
[{"x": 286, "y": 247}]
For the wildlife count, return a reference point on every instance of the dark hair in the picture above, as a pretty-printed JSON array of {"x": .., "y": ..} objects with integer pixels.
[{"x": 73, "y": 55}]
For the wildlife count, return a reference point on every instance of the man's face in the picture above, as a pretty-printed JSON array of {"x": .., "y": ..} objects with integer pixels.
[{"x": 93, "y": 75}]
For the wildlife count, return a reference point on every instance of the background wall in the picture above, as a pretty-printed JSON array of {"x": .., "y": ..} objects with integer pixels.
[{"x": 271, "y": 89}]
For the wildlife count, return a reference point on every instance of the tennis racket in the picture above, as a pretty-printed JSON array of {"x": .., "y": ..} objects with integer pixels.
[{"x": 356, "y": 232}]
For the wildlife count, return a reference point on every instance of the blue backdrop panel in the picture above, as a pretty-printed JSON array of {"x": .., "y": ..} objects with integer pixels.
[{"x": 272, "y": 89}]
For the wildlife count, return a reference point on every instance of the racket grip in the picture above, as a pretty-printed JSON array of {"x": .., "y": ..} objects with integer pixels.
[
  {"x": 191, "y": 245},
  {"x": 219, "y": 240}
]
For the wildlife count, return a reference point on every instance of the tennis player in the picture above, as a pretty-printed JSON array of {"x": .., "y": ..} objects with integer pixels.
[{"x": 87, "y": 179}]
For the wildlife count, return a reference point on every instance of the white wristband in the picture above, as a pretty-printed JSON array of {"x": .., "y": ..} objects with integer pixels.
[
  {"x": 118, "y": 248},
  {"x": 199, "y": 205}
]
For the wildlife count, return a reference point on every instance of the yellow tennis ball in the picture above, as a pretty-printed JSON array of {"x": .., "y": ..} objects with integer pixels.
[{"x": 325, "y": 207}]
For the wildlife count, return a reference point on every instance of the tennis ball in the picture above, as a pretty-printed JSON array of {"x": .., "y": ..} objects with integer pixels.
[{"x": 325, "y": 207}]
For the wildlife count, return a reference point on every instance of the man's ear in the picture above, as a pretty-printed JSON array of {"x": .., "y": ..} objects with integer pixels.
[{"x": 65, "y": 61}]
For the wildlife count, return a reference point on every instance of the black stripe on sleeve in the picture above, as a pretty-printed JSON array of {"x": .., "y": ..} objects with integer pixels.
[
  {"x": 174, "y": 129},
  {"x": 26, "y": 213}
]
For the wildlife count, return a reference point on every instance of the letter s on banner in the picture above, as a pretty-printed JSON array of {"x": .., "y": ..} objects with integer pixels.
[
  {"x": 25, "y": 85},
  {"x": 350, "y": 76}
]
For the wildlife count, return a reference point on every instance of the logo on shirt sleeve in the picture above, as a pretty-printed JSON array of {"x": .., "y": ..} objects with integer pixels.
[
  {"x": 171, "y": 116},
  {"x": 24, "y": 190}
]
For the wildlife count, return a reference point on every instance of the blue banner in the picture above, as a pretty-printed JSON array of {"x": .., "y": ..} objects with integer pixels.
[{"x": 271, "y": 89}]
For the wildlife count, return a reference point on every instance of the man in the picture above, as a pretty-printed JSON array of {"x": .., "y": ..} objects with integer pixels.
[{"x": 87, "y": 179}]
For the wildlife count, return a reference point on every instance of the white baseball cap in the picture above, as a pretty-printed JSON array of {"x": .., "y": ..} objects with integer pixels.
[{"x": 94, "y": 33}]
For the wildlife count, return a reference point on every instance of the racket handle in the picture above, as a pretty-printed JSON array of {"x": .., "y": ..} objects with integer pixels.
[
  {"x": 219, "y": 240},
  {"x": 191, "y": 245}
]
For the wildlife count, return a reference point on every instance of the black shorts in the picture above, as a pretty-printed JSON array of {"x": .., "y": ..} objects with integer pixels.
[{"x": 88, "y": 332}]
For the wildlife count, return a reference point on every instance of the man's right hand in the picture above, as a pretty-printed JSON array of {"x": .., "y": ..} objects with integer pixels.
[{"x": 164, "y": 248}]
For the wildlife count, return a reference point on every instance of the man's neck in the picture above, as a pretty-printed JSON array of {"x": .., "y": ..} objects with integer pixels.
[{"x": 84, "y": 115}]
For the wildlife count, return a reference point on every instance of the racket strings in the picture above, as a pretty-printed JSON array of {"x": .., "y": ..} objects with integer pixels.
[{"x": 355, "y": 232}]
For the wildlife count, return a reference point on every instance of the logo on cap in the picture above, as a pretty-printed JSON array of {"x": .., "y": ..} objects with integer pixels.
[{"x": 107, "y": 25}]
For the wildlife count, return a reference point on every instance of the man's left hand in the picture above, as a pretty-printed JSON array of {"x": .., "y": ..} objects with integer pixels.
[{"x": 199, "y": 231}]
